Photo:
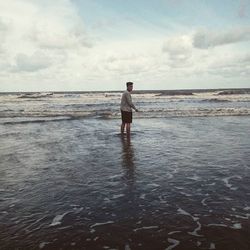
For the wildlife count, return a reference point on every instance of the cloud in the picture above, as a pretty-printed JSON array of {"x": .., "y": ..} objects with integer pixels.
[
  {"x": 178, "y": 49},
  {"x": 182, "y": 60},
  {"x": 122, "y": 58},
  {"x": 244, "y": 5},
  {"x": 3, "y": 32},
  {"x": 57, "y": 37},
  {"x": 133, "y": 65},
  {"x": 45, "y": 45},
  {"x": 60, "y": 31},
  {"x": 206, "y": 39},
  {"x": 31, "y": 63},
  {"x": 46, "y": 26},
  {"x": 230, "y": 65}
]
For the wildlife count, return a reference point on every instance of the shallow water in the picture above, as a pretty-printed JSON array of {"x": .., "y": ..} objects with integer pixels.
[{"x": 176, "y": 183}]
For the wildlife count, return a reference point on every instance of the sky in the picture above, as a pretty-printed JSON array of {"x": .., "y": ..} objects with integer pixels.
[{"x": 88, "y": 45}]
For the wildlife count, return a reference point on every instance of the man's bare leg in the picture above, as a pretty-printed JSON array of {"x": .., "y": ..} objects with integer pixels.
[
  {"x": 122, "y": 128},
  {"x": 128, "y": 128}
]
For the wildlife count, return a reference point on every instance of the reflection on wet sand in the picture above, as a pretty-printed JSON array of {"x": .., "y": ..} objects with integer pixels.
[{"x": 128, "y": 156}]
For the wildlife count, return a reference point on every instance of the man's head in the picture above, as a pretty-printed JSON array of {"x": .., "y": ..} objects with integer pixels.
[{"x": 129, "y": 86}]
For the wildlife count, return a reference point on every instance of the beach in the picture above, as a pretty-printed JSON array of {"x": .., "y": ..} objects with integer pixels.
[{"x": 69, "y": 180}]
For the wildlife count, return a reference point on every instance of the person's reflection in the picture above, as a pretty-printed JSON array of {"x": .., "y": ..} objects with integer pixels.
[{"x": 128, "y": 159}]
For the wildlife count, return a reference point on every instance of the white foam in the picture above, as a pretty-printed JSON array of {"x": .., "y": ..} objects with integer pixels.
[
  {"x": 194, "y": 233},
  {"x": 228, "y": 199},
  {"x": 203, "y": 202},
  {"x": 198, "y": 243},
  {"x": 242, "y": 217},
  {"x": 236, "y": 226},
  {"x": 77, "y": 210},
  {"x": 43, "y": 244},
  {"x": 101, "y": 224},
  {"x": 212, "y": 184},
  {"x": 116, "y": 196},
  {"x": 34, "y": 223},
  {"x": 142, "y": 196},
  {"x": 186, "y": 194},
  {"x": 107, "y": 200},
  {"x": 174, "y": 232},
  {"x": 194, "y": 178},
  {"x": 115, "y": 176},
  {"x": 145, "y": 228},
  {"x": 183, "y": 212},
  {"x": 227, "y": 179},
  {"x": 174, "y": 242},
  {"x": 153, "y": 185},
  {"x": 74, "y": 205},
  {"x": 217, "y": 225},
  {"x": 127, "y": 247},
  {"x": 169, "y": 176},
  {"x": 58, "y": 219},
  {"x": 212, "y": 246}
]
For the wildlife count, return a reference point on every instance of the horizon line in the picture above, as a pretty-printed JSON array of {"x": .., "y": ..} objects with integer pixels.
[{"x": 113, "y": 91}]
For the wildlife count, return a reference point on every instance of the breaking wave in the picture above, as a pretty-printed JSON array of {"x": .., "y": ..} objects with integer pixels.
[
  {"x": 25, "y": 108},
  {"x": 175, "y": 113}
]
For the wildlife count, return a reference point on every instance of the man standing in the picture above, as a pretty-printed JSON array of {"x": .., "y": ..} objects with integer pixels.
[{"x": 126, "y": 108}]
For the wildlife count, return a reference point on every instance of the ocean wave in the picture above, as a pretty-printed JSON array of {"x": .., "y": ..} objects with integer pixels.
[
  {"x": 35, "y": 95},
  {"x": 215, "y": 100},
  {"x": 234, "y": 92},
  {"x": 114, "y": 114},
  {"x": 118, "y": 94},
  {"x": 175, "y": 113},
  {"x": 175, "y": 92},
  {"x": 34, "y": 120},
  {"x": 72, "y": 95},
  {"x": 107, "y": 106},
  {"x": 41, "y": 117},
  {"x": 45, "y": 113}
]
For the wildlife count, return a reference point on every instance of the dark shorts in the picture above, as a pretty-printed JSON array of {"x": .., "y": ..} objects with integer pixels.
[{"x": 126, "y": 117}]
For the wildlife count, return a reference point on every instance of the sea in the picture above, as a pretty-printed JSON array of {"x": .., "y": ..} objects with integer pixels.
[{"x": 70, "y": 180}]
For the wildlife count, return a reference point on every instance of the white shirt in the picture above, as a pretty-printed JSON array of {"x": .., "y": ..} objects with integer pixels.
[{"x": 126, "y": 102}]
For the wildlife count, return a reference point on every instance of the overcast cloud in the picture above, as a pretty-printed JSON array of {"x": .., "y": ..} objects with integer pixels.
[
  {"x": 65, "y": 45},
  {"x": 208, "y": 38}
]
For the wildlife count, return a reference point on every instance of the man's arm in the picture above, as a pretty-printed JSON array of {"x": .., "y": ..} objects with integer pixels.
[{"x": 130, "y": 103}]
